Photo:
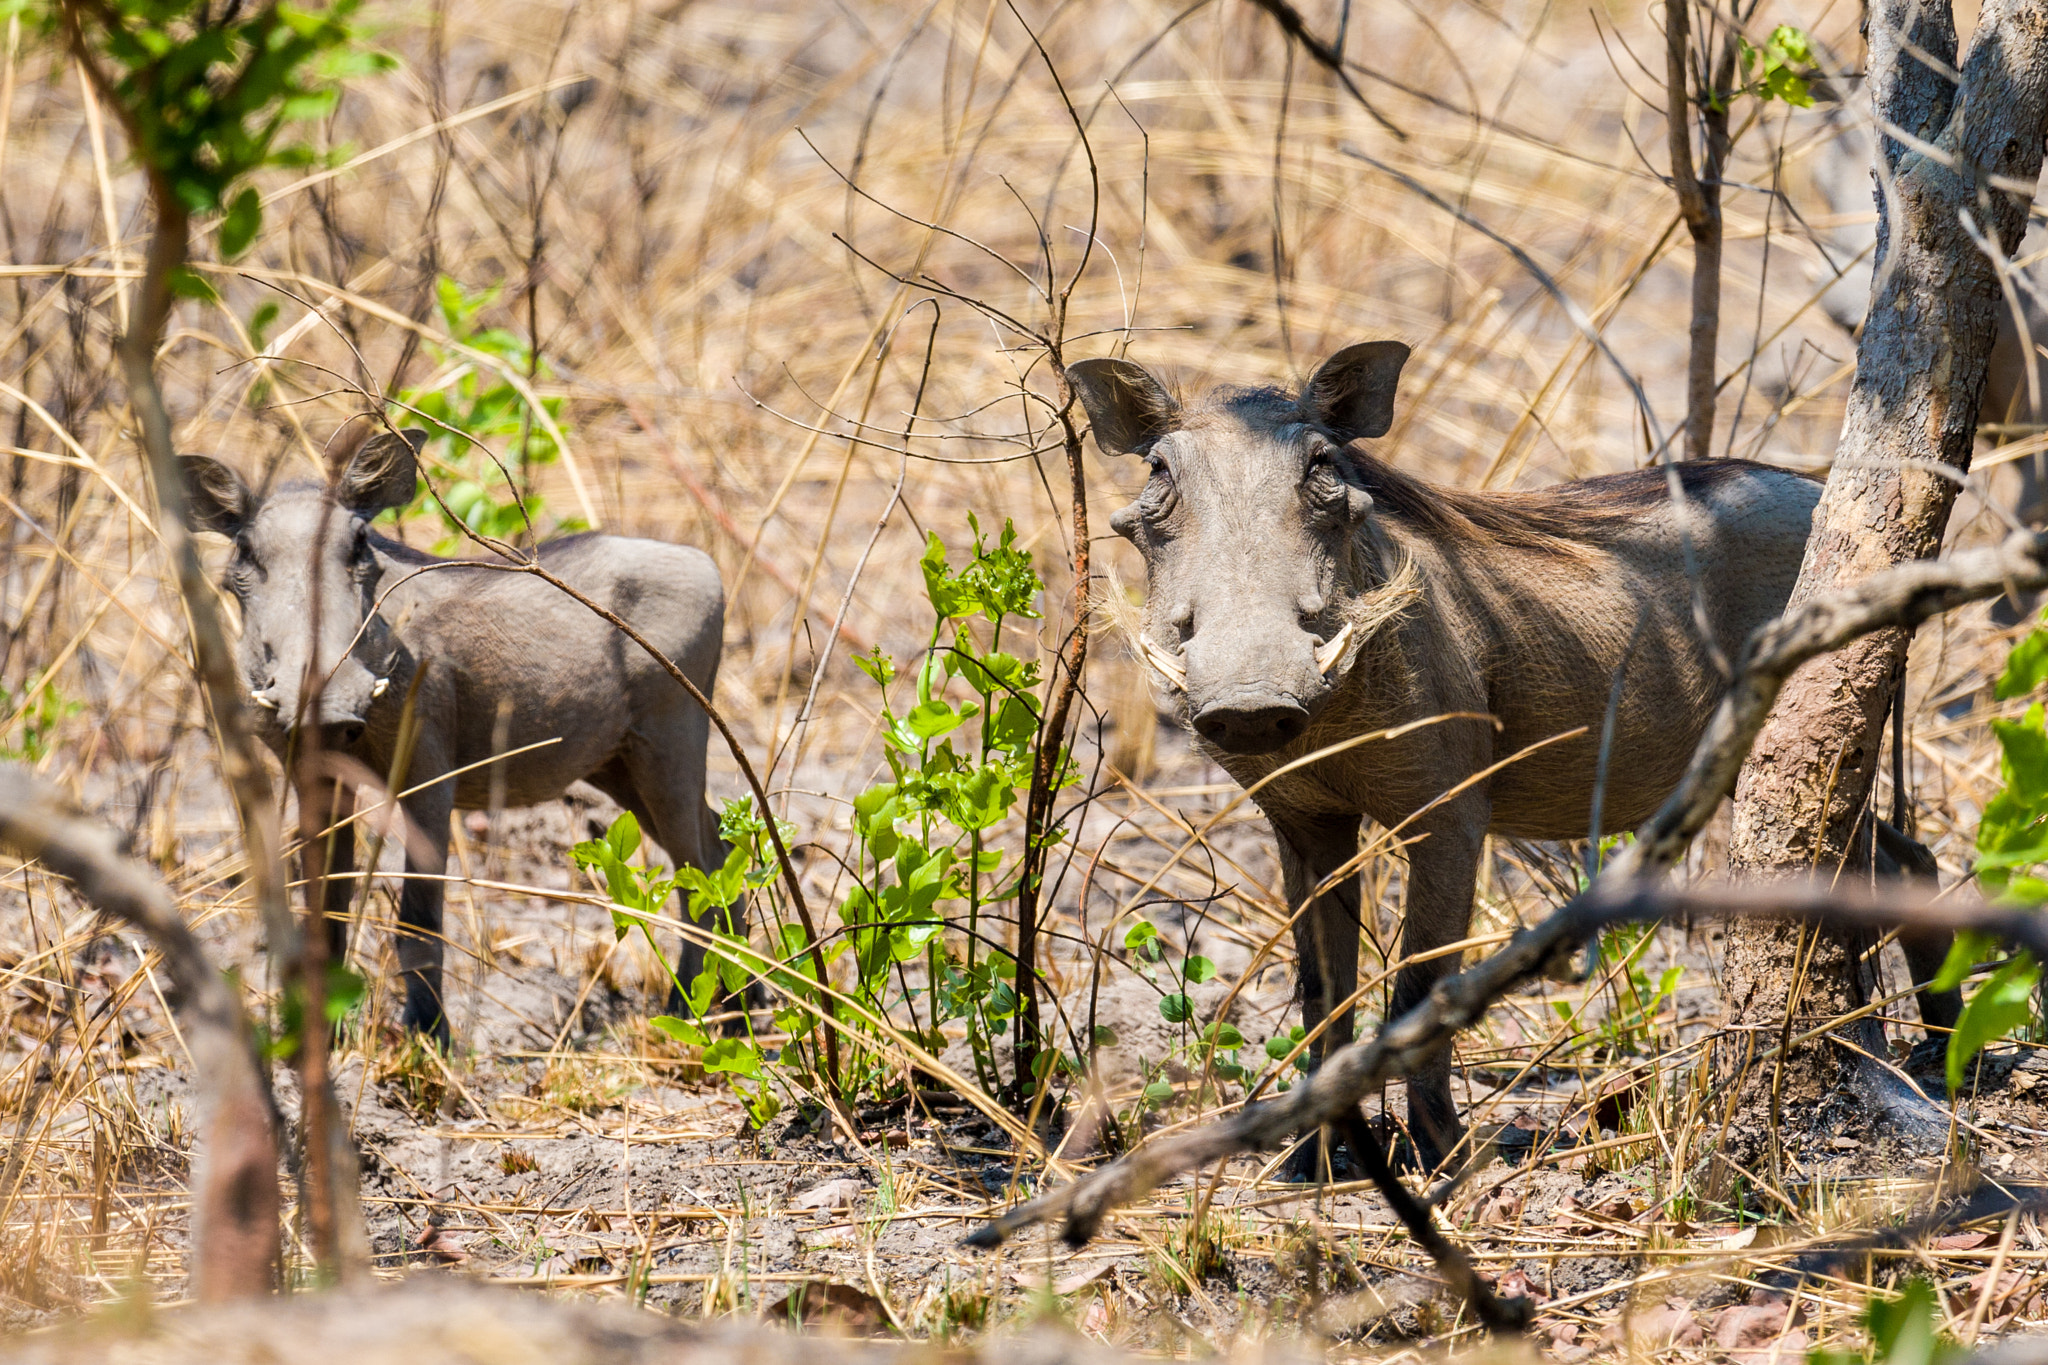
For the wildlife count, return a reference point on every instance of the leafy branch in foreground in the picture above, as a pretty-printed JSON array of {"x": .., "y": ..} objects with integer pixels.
[{"x": 205, "y": 98}]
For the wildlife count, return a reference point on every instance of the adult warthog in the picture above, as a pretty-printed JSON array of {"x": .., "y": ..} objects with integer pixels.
[
  {"x": 1303, "y": 593},
  {"x": 343, "y": 628}
]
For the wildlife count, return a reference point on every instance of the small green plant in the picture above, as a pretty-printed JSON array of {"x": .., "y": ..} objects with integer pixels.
[
  {"x": 207, "y": 97},
  {"x": 41, "y": 715},
  {"x": 1903, "y": 1331},
  {"x": 2012, "y": 844},
  {"x": 1191, "y": 1251},
  {"x": 919, "y": 933},
  {"x": 473, "y": 409},
  {"x": 345, "y": 993},
  {"x": 638, "y": 894},
  {"x": 1213, "y": 1053},
  {"x": 1772, "y": 71},
  {"x": 960, "y": 754},
  {"x": 1629, "y": 1027}
]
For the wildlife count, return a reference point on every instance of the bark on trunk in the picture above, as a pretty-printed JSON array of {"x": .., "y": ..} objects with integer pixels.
[{"x": 1805, "y": 791}]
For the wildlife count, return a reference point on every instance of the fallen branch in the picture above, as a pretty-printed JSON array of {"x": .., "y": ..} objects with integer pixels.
[
  {"x": 1331, "y": 1094},
  {"x": 234, "y": 1182},
  {"x": 1903, "y": 596}
]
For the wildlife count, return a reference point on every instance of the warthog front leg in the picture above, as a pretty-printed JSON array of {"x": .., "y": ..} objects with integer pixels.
[
  {"x": 1442, "y": 868},
  {"x": 419, "y": 913},
  {"x": 326, "y": 805},
  {"x": 1325, "y": 947}
]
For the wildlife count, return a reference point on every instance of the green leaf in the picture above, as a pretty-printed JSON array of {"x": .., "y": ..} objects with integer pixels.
[
  {"x": 1966, "y": 950},
  {"x": 940, "y": 587},
  {"x": 1903, "y": 1331},
  {"x": 259, "y": 324},
  {"x": 1014, "y": 728},
  {"x": 2026, "y": 668},
  {"x": 623, "y": 836},
  {"x": 239, "y": 228},
  {"x": 734, "y": 1055},
  {"x": 345, "y": 991},
  {"x": 2002, "y": 1004},
  {"x": 1105, "y": 1036},
  {"x": 1158, "y": 1093},
  {"x": 878, "y": 666},
  {"x": 682, "y": 1030},
  {"x": 1139, "y": 934},
  {"x": 187, "y": 283},
  {"x": 1276, "y": 1048},
  {"x": 1175, "y": 1008},
  {"x": 930, "y": 719},
  {"x": 1223, "y": 1035},
  {"x": 1198, "y": 969}
]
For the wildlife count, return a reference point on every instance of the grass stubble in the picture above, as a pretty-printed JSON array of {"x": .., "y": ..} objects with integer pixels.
[{"x": 702, "y": 215}]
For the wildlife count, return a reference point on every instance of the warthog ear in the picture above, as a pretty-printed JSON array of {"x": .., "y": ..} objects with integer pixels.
[
  {"x": 1127, "y": 407},
  {"x": 1352, "y": 393},
  {"x": 215, "y": 495},
  {"x": 384, "y": 473}
]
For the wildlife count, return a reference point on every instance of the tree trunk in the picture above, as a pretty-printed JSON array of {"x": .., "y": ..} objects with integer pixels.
[
  {"x": 1970, "y": 165},
  {"x": 1699, "y": 204}
]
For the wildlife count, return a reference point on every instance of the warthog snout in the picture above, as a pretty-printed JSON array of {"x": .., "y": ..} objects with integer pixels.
[
  {"x": 1251, "y": 726},
  {"x": 346, "y": 692}
]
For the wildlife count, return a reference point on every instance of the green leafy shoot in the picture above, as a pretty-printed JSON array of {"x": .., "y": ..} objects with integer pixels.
[
  {"x": 210, "y": 97},
  {"x": 40, "y": 715},
  {"x": 1903, "y": 1331},
  {"x": 2000, "y": 1005},
  {"x": 638, "y": 893},
  {"x": 1772, "y": 72},
  {"x": 472, "y": 409}
]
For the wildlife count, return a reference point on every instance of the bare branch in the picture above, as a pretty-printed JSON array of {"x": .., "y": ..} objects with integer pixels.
[{"x": 1290, "y": 21}]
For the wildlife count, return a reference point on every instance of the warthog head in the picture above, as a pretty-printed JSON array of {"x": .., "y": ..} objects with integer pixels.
[
  {"x": 305, "y": 573},
  {"x": 1251, "y": 527}
]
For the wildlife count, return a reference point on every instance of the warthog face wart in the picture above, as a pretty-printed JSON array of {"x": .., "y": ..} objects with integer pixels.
[
  {"x": 305, "y": 573},
  {"x": 1250, "y": 525}
]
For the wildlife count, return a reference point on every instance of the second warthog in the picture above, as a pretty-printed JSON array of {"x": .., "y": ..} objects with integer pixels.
[
  {"x": 344, "y": 629},
  {"x": 1303, "y": 592}
]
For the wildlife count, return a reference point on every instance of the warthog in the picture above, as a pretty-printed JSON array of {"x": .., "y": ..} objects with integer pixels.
[
  {"x": 1302, "y": 592},
  {"x": 341, "y": 625}
]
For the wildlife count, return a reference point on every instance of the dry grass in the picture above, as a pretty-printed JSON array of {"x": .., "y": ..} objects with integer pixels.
[{"x": 662, "y": 196}]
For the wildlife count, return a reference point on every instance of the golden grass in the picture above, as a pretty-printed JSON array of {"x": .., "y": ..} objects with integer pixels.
[{"x": 663, "y": 196}]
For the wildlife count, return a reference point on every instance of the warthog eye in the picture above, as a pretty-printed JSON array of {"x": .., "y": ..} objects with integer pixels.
[
  {"x": 1321, "y": 483},
  {"x": 243, "y": 570},
  {"x": 1159, "y": 497}
]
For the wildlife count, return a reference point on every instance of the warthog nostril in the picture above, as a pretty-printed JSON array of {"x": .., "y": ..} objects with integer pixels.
[
  {"x": 1254, "y": 729},
  {"x": 345, "y": 734}
]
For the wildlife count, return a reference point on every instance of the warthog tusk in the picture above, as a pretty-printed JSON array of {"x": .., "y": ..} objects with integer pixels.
[
  {"x": 1331, "y": 651},
  {"x": 379, "y": 688},
  {"x": 264, "y": 700},
  {"x": 1163, "y": 664}
]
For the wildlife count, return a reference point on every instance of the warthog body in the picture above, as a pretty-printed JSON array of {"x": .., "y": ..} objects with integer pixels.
[
  {"x": 340, "y": 625},
  {"x": 1303, "y": 593}
]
